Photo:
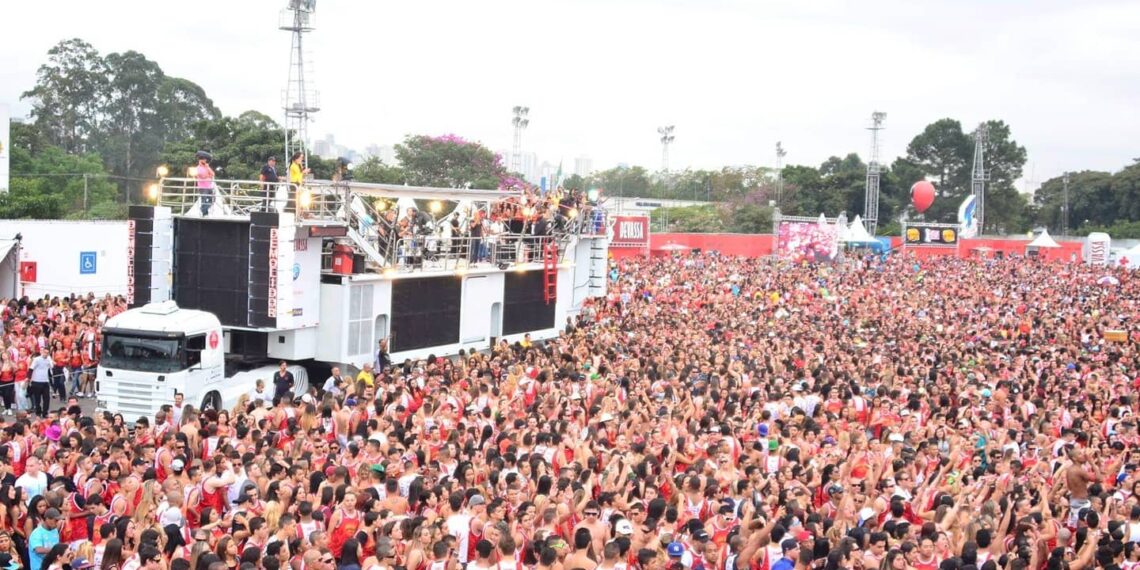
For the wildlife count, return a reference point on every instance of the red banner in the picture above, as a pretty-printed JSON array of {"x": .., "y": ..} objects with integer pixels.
[
  {"x": 629, "y": 231},
  {"x": 28, "y": 271}
]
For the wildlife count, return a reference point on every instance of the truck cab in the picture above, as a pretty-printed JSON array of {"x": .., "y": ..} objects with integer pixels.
[{"x": 156, "y": 350}]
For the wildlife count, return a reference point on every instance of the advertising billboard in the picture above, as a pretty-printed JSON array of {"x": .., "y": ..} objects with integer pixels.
[
  {"x": 629, "y": 231},
  {"x": 932, "y": 234}
]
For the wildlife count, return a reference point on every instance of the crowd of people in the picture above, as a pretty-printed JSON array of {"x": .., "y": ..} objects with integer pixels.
[
  {"x": 480, "y": 234},
  {"x": 710, "y": 413},
  {"x": 50, "y": 349}
]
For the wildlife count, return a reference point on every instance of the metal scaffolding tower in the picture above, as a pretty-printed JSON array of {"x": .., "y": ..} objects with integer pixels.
[
  {"x": 871, "y": 192},
  {"x": 666, "y": 140},
  {"x": 520, "y": 122},
  {"x": 780, "y": 154},
  {"x": 978, "y": 178},
  {"x": 300, "y": 100}
]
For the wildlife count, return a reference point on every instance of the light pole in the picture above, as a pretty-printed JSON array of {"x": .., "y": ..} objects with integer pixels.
[
  {"x": 520, "y": 122},
  {"x": 780, "y": 154},
  {"x": 666, "y": 140}
]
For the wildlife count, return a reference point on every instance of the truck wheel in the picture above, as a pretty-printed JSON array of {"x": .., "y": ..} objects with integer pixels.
[{"x": 212, "y": 401}]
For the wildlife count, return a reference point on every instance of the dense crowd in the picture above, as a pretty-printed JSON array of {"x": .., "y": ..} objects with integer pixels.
[
  {"x": 474, "y": 233},
  {"x": 50, "y": 348},
  {"x": 709, "y": 414}
]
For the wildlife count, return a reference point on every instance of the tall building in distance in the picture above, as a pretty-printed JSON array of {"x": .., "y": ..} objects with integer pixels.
[
  {"x": 583, "y": 166},
  {"x": 385, "y": 152},
  {"x": 328, "y": 148}
]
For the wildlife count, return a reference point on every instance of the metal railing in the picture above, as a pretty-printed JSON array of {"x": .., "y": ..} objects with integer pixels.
[
  {"x": 185, "y": 197},
  {"x": 430, "y": 247},
  {"x": 430, "y": 252}
]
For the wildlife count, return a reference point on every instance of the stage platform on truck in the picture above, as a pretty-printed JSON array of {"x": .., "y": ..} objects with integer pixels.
[{"x": 322, "y": 272}]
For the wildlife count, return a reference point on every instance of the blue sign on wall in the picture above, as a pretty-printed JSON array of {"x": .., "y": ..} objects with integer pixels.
[{"x": 87, "y": 263}]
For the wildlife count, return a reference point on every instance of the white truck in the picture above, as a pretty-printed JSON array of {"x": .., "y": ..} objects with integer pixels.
[{"x": 157, "y": 350}]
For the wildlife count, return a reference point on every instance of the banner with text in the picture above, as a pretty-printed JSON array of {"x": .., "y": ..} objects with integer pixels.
[{"x": 629, "y": 231}]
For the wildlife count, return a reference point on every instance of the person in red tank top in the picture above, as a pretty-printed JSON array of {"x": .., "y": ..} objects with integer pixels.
[
  {"x": 214, "y": 486},
  {"x": 344, "y": 523}
]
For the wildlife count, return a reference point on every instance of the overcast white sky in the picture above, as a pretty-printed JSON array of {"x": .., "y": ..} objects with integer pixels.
[{"x": 600, "y": 76}]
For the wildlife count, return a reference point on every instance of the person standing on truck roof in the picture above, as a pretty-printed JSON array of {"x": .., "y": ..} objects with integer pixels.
[
  {"x": 40, "y": 387},
  {"x": 297, "y": 172},
  {"x": 204, "y": 177},
  {"x": 269, "y": 181},
  {"x": 282, "y": 381}
]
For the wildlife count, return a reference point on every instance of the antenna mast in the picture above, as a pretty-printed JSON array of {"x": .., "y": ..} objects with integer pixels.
[
  {"x": 299, "y": 100},
  {"x": 978, "y": 178},
  {"x": 871, "y": 192}
]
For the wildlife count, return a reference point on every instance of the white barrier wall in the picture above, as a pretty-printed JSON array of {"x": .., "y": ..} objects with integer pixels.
[{"x": 72, "y": 256}]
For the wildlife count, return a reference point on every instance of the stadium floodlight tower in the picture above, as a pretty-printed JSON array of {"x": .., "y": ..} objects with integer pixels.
[
  {"x": 300, "y": 101},
  {"x": 666, "y": 140},
  {"x": 874, "y": 169},
  {"x": 520, "y": 122}
]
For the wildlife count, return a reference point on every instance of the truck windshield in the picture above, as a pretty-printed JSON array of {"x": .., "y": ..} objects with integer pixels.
[{"x": 142, "y": 354}]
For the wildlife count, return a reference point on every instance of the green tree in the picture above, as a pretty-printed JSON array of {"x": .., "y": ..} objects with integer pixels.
[
  {"x": 803, "y": 186},
  {"x": 70, "y": 94},
  {"x": 750, "y": 219},
  {"x": 690, "y": 219},
  {"x": 49, "y": 183},
  {"x": 122, "y": 106},
  {"x": 1126, "y": 192},
  {"x": 374, "y": 170},
  {"x": 574, "y": 181},
  {"x": 181, "y": 105},
  {"x": 631, "y": 182},
  {"x": 1006, "y": 208},
  {"x": 942, "y": 152},
  {"x": 844, "y": 183},
  {"x": 134, "y": 138},
  {"x": 449, "y": 162},
  {"x": 238, "y": 145},
  {"x": 712, "y": 218}
]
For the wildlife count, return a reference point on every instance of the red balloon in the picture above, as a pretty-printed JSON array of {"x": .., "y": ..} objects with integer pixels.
[{"x": 922, "y": 195}]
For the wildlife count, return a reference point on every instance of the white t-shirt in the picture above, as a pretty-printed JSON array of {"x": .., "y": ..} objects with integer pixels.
[
  {"x": 459, "y": 526},
  {"x": 235, "y": 489},
  {"x": 32, "y": 486},
  {"x": 172, "y": 515}
]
